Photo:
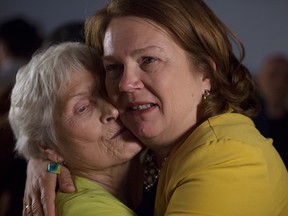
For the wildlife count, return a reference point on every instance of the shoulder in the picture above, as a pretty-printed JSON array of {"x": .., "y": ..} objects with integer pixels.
[
  {"x": 227, "y": 158},
  {"x": 90, "y": 199},
  {"x": 225, "y": 140}
]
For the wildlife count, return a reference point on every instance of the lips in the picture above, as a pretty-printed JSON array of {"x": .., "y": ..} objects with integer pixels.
[{"x": 119, "y": 132}]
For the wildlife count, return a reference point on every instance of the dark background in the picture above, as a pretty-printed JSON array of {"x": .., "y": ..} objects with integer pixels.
[{"x": 262, "y": 25}]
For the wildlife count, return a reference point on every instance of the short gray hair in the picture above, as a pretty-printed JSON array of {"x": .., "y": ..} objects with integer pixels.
[{"x": 37, "y": 86}]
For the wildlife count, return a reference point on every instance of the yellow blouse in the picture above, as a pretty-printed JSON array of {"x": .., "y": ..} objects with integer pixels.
[
  {"x": 224, "y": 168},
  {"x": 90, "y": 199}
]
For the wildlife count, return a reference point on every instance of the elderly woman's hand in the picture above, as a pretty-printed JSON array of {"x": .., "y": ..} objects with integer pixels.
[{"x": 40, "y": 188}]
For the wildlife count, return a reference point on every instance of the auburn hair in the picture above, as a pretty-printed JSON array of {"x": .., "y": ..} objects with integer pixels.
[{"x": 205, "y": 38}]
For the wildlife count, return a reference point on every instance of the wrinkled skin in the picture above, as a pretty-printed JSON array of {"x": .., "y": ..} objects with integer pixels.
[{"x": 40, "y": 188}]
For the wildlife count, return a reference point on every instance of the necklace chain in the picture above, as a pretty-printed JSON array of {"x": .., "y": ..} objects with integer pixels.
[{"x": 151, "y": 171}]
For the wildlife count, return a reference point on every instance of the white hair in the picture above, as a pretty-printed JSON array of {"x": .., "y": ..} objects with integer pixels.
[{"x": 37, "y": 86}]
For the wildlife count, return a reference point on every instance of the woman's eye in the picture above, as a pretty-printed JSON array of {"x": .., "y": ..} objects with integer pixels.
[
  {"x": 114, "y": 68},
  {"x": 82, "y": 109},
  {"x": 148, "y": 60}
]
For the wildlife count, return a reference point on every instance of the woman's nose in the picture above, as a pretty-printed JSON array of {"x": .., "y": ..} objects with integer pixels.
[
  {"x": 109, "y": 112},
  {"x": 130, "y": 80}
]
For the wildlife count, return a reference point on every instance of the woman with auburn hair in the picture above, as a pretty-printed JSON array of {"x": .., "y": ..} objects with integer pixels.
[{"x": 171, "y": 71}]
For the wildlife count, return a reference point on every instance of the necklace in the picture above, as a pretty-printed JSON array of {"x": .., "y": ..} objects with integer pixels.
[{"x": 151, "y": 171}]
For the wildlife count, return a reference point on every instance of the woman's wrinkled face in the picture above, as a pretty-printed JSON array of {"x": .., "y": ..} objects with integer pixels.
[
  {"x": 89, "y": 134},
  {"x": 150, "y": 80}
]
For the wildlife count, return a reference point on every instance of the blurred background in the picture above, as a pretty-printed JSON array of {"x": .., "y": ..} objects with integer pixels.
[
  {"x": 260, "y": 24},
  {"x": 26, "y": 25}
]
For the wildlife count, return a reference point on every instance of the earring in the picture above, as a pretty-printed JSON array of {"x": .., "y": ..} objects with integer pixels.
[{"x": 206, "y": 94}]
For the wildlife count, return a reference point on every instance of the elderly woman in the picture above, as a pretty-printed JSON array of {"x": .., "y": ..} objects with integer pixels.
[
  {"x": 58, "y": 114},
  {"x": 171, "y": 71}
]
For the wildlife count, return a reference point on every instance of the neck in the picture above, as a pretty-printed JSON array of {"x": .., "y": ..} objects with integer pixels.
[{"x": 162, "y": 151}]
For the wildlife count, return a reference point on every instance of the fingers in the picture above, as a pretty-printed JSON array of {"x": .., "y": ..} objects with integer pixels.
[
  {"x": 65, "y": 180},
  {"x": 26, "y": 210},
  {"x": 48, "y": 194},
  {"x": 41, "y": 205},
  {"x": 39, "y": 194},
  {"x": 31, "y": 199},
  {"x": 32, "y": 210}
]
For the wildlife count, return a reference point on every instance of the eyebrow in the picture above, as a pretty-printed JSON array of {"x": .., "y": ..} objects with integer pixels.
[
  {"x": 135, "y": 52},
  {"x": 87, "y": 91},
  {"x": 142, "y": 50}
]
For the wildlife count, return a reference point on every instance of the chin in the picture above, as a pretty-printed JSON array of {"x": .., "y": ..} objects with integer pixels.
[
  {"x": 139, "y": 133},
  {"x": 133, "y": 149}
]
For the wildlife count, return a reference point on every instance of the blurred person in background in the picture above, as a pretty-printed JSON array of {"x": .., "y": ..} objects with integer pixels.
[
  {"x": 272, "y": 82},
  {"x": 19, "y": 39},
  {"x": 72, "y": 31}
]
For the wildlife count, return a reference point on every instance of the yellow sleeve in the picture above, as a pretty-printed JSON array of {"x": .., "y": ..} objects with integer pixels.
[
  {"x": 224, "y": 179},
  {"x": 90, "y": 204}
]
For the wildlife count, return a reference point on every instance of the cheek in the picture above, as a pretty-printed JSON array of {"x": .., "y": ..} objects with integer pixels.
[{"x": 70, "y": 155}]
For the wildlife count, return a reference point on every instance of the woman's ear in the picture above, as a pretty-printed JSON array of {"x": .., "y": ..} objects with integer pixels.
[
  {"x": 50, "y": 153},
  {"x": 206, "y": 79},
  {"x": 206, "y": 82},
  {"x": 213, "y": 64}
]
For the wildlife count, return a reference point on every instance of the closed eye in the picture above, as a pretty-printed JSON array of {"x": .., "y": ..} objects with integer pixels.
[
  {"x": 82, "y": 109},
  {"x": 111, "y": 68}
]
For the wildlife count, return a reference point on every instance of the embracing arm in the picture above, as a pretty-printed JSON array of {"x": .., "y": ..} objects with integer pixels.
[{"x": 39, "y": 195}]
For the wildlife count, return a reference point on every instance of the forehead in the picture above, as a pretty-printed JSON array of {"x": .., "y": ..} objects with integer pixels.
[
  {"x": 135, "y": 22},
  {"x": 79, "y": 81},
  {"x": 134, "y": 31}
]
